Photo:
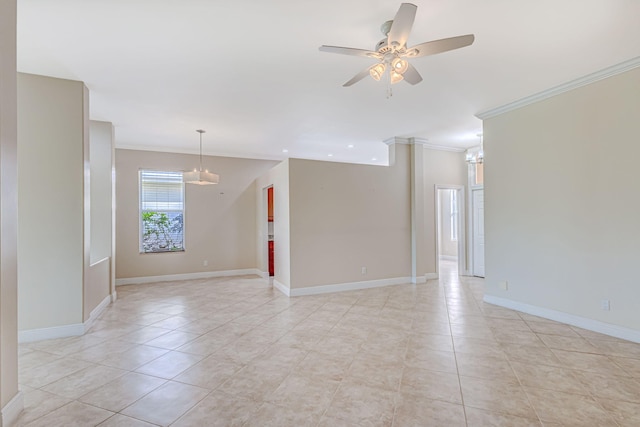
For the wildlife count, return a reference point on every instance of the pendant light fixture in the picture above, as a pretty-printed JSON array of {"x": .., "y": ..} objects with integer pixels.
[{"x": 200, "y": 177}]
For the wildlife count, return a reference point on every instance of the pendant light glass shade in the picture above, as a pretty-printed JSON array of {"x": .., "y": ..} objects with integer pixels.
[{"x": 200, "y": 177}]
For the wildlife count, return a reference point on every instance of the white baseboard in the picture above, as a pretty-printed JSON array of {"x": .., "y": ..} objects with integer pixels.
[
  {"x": 282, "y": 288},
  {"x": 114, "y": 296},
  {"x": 96, "y": 312},
  {"x": 570, "y": 319},
  {"x": 352, "y": 286},
  {"x": 448, "y": 258},
  {"x": 53, "y": 332},
  {"x": 264, "y": 274},
  {"x": 12, "y": 410},
  {"x": 186, "y": 276},
  {"x": 430, "y": 276}
]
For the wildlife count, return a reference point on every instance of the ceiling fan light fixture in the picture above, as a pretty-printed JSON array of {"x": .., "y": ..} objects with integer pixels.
[
  {"x": 396, "y": 77},
  {"x": 399, "y": 65},
  {"x": 377, "y": 71}
]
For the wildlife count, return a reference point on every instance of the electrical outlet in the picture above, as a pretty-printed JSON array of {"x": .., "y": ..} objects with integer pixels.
[
  {"x": 605, "y": 305},
  {"x": 504, "y": 285},
  {"x": 364, "y": 270},
  {"x": 205, "y": 263}
]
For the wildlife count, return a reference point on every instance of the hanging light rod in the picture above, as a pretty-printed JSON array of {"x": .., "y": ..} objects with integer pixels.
[{"x": 200, "y": 177}]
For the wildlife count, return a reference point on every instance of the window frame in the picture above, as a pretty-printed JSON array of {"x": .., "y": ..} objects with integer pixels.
[{"x": 141, "y": 226}]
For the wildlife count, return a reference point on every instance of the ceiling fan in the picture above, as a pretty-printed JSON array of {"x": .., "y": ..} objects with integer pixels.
[{"x": 392, "y": 51}]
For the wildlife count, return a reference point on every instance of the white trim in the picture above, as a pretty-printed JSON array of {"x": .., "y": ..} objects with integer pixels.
[
  {"x": 31, "y": 335},
  {"x": 421, "y": 141},
  {"x": 565, "y": 87},
  {"x": 282, "y": 288},
  {"x": 114, "y": 296},
  {"x": 263, "y": 274},
  {"x": 352, "y": 286},
  {"x": 12, "y": 410},
  {"x": 96, "y": 312},
  {"x": 431, "y": 276},
  {"x": 570, "y": 319},
  {"x": 186, "y": 276},
  {"x": 448, "y": 258}
]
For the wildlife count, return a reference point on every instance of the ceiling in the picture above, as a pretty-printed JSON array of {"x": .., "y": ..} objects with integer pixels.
[{"x": 250, "y": 73}]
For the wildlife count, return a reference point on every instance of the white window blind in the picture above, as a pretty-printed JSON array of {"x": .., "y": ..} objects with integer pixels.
[{"x": 161, "y": 211}]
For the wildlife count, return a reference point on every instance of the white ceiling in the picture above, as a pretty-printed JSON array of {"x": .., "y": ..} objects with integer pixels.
[{"x": 250, "y": 73}]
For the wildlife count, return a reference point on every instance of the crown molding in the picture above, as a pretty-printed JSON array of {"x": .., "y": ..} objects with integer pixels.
[
  {"x": 423, "y": 142},
  {"x": 565, "y": 87}
]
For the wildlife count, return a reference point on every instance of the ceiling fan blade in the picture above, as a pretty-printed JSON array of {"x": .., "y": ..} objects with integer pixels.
[
  {"x": 361, "y": 75},
  {"x": 439, "y": 46},
  {"x": 350, "y": 51},
  {"x": 412, "y": 75},
  {"x": 402, "y": 24}
]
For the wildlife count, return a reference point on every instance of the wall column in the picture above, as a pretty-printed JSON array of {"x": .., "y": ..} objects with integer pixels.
[{"x": 11, "y": 403}]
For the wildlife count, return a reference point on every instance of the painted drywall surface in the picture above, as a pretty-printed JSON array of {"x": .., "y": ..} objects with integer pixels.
[
  {"x": 220, "y": 220},
  {"x": 8, "y": 205},
  {"x": 97, "y": 284},
  {"x": 100, "y": 147},
  {"x": 561, "y": 202},
  {"x": 278, "y": 177},
  {"x": 50, "y": 201},
  {"x": 344, "y": 217},
  {"x": 440, "y": 168}
]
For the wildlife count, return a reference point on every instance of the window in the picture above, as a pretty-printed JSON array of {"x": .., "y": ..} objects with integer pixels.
[
  {"x": 453, "y": 206},
  {"x": 161, "y": 211}
]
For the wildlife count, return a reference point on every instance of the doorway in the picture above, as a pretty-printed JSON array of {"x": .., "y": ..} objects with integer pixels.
[
  {"x": 270, "y": 236},
  {"x": 450, "y": 229}
]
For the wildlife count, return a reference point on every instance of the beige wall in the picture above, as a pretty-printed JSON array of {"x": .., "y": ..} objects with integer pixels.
[
  {"x": 97, "y": 285},
  {"x": 8, "y": 209},
  {"x": 278, "y": 178},
  {"x": 561, "y": 201},
  {"x": 344, "y": 217},
  {"x": 220, "y": 220},
  {"x": 440, "y": 168},
  {"x": 51, "y": 248}
]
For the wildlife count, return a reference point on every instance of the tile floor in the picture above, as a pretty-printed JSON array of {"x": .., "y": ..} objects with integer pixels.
[{"x": 236, "y": 352}]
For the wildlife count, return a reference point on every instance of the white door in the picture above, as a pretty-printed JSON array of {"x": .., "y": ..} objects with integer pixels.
[{"x": 478, "y": 233}]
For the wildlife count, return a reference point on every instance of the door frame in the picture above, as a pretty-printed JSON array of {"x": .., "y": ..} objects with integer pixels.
[{"x": 461, "y": 226}]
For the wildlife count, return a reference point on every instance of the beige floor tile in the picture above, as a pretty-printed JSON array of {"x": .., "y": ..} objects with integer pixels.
[
  {"x": 559, "y": 342},
  {"x": 169, "y": 364},
  {"x": 41, "y": 375},
  {"x": 414, "y": 411},
  {"x": 377, "y": 372},
  {"x": 630, "y": 366},
  {"x": 548, "y": 378},
  {"x": 166, "y": 404},
  {"x": 478, "y": 418},
  {"x": 434, "y": 360},
  {"x": 597, "y": 363},
  {"x": 360, "y": 404},
  {"x": 38, "y": 403},
  {"x": 219, "y": 410},
  {"x": 144, "y": 334},
  {"x": 74, "y": 414},
  {"x": 568, "y": 409},
  {"x": 254, "y": 383},
  {"x": 119, "y": 420},
  {"x": 610, "y": 387},
  {"x": 122, "y": 392},
  {"x": 304, "y": 393},
  {"x": 210, "y": 372},
  {"x": 133, "y": 357},
  {"x": 495, "y": 395},
  {"x": 431, "y": 385},
  {"x": 527, "y": 354},
  {"x": 552, "y": 328},
  {"x": 84, "y": 381},
  {"x": 322, "y": 366},
  {"x": 479, "y": 366},
  {"x": 172, "y": 340},
  {"x": 626, "y": 414},
  {"x": 270, "y": 415},
  {"x": 617, "y": 347}
]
